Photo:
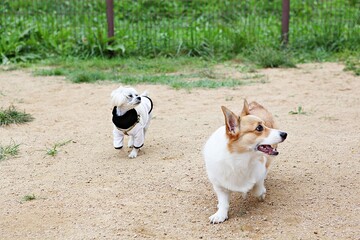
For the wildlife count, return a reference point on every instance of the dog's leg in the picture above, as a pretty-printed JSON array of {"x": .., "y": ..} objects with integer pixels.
[
  {"x": 131, "y": 142},
  {"x": 134, "y": 152},
  {"x": 147, "y": 125},
  {"x": 223, "y": 196},
  {"x": 138, "y": 142},
  {"x": 118, "y": 138},
  {"x": 259, "y": 190}
]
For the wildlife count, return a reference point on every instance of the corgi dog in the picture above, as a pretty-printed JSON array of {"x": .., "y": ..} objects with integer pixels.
[{"x": 237, "y": 155}]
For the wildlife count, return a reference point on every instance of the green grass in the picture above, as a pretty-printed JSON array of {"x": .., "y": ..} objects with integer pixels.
[
  {"x": 154, "y": 39},
  {"x": 13, "y": 116},
  {"x": 76, "y": 76},
  {"x": 135, "y": 65},
  {"x": 10, "y": 150},
  {"x": 89, "y": 76},
  {"x": 147, "y": 28},
  {"x": 50, "y": 72},
  {"x": 183, "y": 81},
  {"x": 28, "y": 198},
  {"x": 353, "y": 65},
  {"x": 298, "y": 111},
  {"x": 207, "y": 83},
  {"x": 178, "y": 73},
  {"x": 97, "y": 69},
  {"x": 53, "y": 151},
  {"x": 271, "y": 58}
]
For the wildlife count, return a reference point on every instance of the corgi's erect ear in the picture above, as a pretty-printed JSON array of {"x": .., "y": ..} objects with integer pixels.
[
  {"x": 245, "y": 110},
  {"x": 231, "y": 121}
]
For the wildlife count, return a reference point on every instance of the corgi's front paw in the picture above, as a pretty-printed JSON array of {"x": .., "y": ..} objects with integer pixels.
[
  {"x": 218, "y": 217},
  {"x": 262, "y": 197},
  {"x": 260, "y": 192},
  {"x": 244, "y": 195}
]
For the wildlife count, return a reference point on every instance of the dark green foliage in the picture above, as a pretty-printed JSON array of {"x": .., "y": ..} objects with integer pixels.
[
  {"x": 353, "y": 64},
  {"x": 266, "y": 57},
  {"x": 36, "y": 29}
]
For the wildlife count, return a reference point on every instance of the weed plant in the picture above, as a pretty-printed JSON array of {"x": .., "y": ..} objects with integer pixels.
[{"x": 53, "y": 151}]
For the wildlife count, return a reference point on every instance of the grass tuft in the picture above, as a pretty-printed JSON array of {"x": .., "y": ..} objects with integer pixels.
[
  {"x": 50, "y": 72},
  {"x": 298, "y": 111},
  {"x": 12, "y": 115},
  {"x": 353, "y": 64},
  {"x": 267, "y": 57},
  {"x": 9, "y": 150},
  {"x": 28, "y": 198},
  {"x": 53, "y": 151},
  {"x": 206, "y": 83},
  {"x": 87, "y": 77}
]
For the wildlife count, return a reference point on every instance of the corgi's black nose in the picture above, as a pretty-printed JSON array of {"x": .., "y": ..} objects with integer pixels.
[
  {"x": 138, "y": 98},
  {"x": 283, "y": 135}
]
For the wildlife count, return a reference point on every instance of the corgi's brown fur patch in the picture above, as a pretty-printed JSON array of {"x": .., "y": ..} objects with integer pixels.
[{"x": 241, "y": 131}]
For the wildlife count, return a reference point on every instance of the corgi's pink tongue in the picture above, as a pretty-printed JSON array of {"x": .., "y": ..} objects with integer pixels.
[{"x": 267, "y": 149}]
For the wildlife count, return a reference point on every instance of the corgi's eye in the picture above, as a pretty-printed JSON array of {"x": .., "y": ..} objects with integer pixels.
[
  {"x": 259, "y": 128},
  {"x": 130, "y": 96}
]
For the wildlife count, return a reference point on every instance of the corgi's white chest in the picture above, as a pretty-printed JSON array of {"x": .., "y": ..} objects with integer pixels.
[
  {"x": 241, "y": 171},
  {"x": 233, "y": 171}
]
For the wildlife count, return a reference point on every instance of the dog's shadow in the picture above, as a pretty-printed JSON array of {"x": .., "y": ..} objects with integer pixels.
[{"x": 277, "y": 196}]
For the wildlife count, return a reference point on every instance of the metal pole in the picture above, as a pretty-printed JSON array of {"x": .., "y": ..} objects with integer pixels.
[
  {"x": 285, "y": 22},
  {"x": 110, "y": 17}
]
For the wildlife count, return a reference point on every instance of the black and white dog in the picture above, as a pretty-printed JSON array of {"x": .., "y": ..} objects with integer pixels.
[{"x": 131, "y": 116}]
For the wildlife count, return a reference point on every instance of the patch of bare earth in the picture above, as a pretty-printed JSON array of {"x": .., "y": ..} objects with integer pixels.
[{"x": 89, "y": 190}]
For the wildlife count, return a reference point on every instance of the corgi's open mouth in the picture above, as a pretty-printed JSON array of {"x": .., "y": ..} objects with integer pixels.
[{"x": 267, "y": 149}]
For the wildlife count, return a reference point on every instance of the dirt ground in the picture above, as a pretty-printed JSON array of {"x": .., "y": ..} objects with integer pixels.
[{"x": 89, "y": 190}]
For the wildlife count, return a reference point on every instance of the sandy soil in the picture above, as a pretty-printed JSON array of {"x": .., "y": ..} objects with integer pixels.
[{"x": 91, "y": 191}]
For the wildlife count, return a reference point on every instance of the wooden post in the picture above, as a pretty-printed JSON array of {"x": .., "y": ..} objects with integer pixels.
[
  {"x": 110, "y": 17},
  {"x": 110, "y": 24},
  {"x": 285, "y": 22}
]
